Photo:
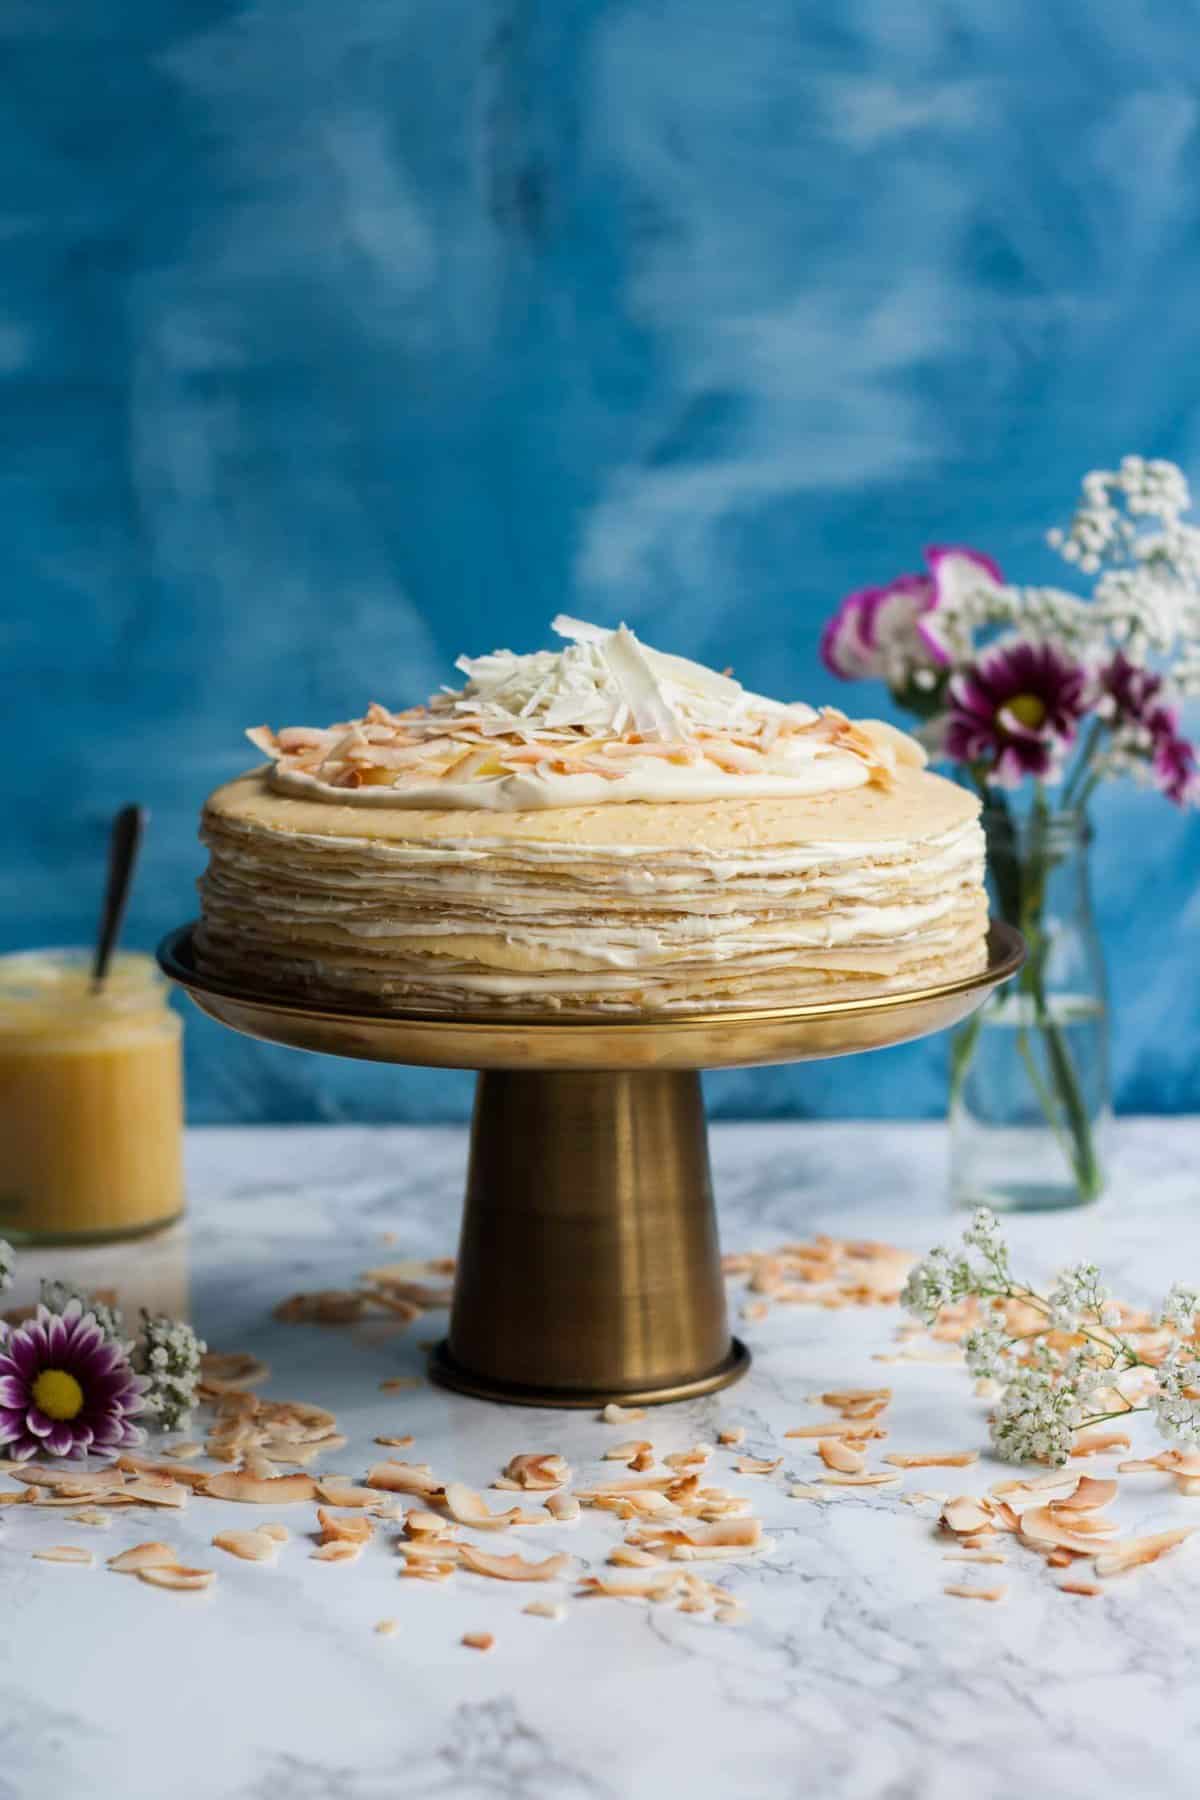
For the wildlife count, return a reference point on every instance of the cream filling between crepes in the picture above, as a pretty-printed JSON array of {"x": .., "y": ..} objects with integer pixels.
[{"x": 624, "y": 918}]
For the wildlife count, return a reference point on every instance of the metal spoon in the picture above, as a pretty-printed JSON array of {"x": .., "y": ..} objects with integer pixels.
[{"x": 124, "y": 842}]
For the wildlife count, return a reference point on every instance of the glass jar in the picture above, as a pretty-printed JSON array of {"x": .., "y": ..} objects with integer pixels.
[
  {"x": 91, "y": 1106},
  {"x": 1029, "y": 1086}
]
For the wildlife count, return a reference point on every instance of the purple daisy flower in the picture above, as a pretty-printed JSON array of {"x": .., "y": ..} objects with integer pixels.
[
  {"x": 887, "y": 631},
  {"x": 1130, "y": 690},
  {"x": 1172, "y": 757},
  {"x": 66, "y": 1389},
  {"x": 1016, "y": 711}
]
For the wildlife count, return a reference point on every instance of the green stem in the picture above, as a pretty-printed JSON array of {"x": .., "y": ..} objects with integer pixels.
[{"x": 1061, "y": 1101}]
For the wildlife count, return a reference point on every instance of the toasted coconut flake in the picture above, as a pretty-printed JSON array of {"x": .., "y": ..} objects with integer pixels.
[
  {"x": 64, "y": 1553},
  {"x": 720, "y": 1552},
  {"x": 427, "y": 1571},
  {"x": 964, "y": 1515},
  {"x": 1133, "y": 1552},
  {"x": 836, "y": 1455},
  {"x": 251, "y": 1546},
  {"x": 828, "y": 1430},
  {"x": 76, "y": 1484},
  {"x": 732, "y": 1436},
  {"x": 807, "y": 1490},
  {"x": 1045, "y": 1528},
  {"x": 1089, "y": 1588},
  {"x": 538, "y": 1470},
  {"x": 143, "y": 1556},
  {"x": 1089, "y": 1496},
  {"x": 91, "y": 1515},
  {"x": 849, "y": 1398},
  {"x": 429, "y": 1550},
  {"x": 337, "y": 1550},
  {"x": 963, "y": 1592},
  {"x": 563, "y": 1507},
  {"x": 467, "y": 1506},
  {"x": 642, "y": 1587},
  {"x": 395, "y": 1443},
  {"x": 757, "y": 1465},
  {"x": 338, "y": 1492},
  {"x": 254, "y": 1490},
  {"x": 545, "y": 1609},
  {"x": 405, "y": 1478},
  {"x": 615, "y": 1414},
  {"x": 352, "y": 1528},
  {"x": 184, "y": 1451},
  {"x": 878, "y": 1478},
  {"x": 386, "y": 1627},
  {"x": 478, "y": 1640},
  {"x": 932, "y": 1459},
  {"x": 627, "y": 1451},
  {"x": 974, "y": 1556},
  {"x": 695, "y": 1458},
  {"x": 631, "y": 1556},
  {"x": 737, "y": 1532},
  {"x": 395, "y": 1384},
  {"x": 513, "y": 1568},
  {"x": 176, "y": 1577},
  {"x": 1094, "y": 1442},
  {"x": 419, "y": 1522}
]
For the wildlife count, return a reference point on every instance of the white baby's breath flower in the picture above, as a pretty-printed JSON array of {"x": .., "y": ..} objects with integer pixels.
[
  {"x": 1172, "y": 1401},
  {"x": 8, "y": 1263},
  {"x": 56, "y": 1296},
  {"x": 167, "y": 1356},
  {"x": 1180, "y": 1307},
  {"x": 1076, "y": 1295},
  {"x": 938, "y": 1280},
  {"x": 1036, "y": 1417},
  {"x": 988, "y": 1353},
  {"x": 983, "y": 1234}
]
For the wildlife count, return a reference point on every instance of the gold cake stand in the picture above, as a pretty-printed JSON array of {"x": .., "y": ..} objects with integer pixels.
[{"x": 588, "y": 1265}]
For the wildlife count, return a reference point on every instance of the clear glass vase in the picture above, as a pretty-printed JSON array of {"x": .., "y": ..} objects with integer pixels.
[{"x": 1029, "y": 1081}]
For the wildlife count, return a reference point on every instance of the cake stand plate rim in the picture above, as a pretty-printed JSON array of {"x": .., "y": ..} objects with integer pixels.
[{"x": 1006, "y": 954}]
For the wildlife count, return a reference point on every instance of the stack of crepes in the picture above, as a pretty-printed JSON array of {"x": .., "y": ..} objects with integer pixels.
[{"x": 603, "y": 828}]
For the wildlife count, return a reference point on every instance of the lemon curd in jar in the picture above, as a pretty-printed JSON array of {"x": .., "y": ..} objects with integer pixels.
[{"x": 91, "y": 1107}]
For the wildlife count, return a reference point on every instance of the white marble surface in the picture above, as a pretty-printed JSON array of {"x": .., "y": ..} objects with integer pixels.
[{"x": 855, "y": 1676}]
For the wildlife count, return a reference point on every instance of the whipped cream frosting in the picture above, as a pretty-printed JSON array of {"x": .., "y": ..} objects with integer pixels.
[{"x": 607, "y": 719}]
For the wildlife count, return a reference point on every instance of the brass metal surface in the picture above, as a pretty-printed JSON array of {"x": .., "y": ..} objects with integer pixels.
[{"x": 588, "y": 1265}]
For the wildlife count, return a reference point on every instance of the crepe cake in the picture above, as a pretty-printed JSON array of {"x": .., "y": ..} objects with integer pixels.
[{"x": 599, "y": 829}]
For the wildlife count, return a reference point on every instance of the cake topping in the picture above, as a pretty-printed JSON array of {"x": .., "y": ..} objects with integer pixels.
[{"x": 605, "y": 718}]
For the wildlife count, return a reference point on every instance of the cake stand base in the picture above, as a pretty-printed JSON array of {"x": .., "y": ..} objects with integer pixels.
[{"x": 588, "y": 1266}]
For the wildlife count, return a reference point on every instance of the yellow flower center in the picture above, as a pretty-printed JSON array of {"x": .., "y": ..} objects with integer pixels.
[
  {"x": 57, "y": 1394},
  {"x": 1027, "y": 709}
]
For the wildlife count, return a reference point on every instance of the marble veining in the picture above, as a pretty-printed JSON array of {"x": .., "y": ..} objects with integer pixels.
[{"x": 854, "y": 1676}]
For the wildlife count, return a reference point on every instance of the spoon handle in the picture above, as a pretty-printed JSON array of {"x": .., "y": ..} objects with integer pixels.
[{"x": 123, "y": 845}]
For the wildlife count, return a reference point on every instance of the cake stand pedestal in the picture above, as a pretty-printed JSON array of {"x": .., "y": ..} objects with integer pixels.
[{"x": 588, "y": 1264}]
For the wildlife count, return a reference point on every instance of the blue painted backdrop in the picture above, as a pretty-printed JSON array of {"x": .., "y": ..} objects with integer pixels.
[{"x": 341, "y": 335}]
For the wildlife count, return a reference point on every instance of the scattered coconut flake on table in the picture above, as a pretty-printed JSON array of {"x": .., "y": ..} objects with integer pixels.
[
  {"x": 614, "y": 1414},
  {"x": 64, "y": 1553},
  {"x": 250, "y": 1546},
  {"x": 176, "y": 1577},
  {"x": 963, "y": 1592},
  {"x": 478, "y": 1640},
  {"x": 143, "y": 1556}
]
